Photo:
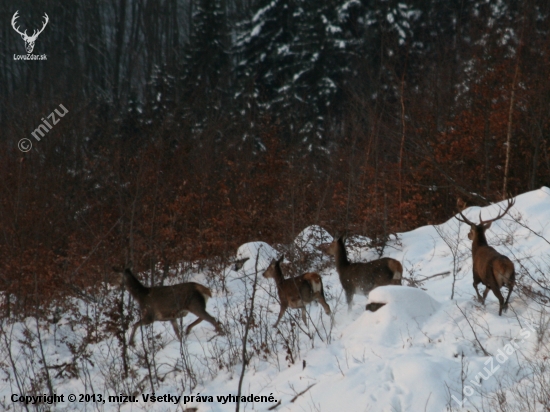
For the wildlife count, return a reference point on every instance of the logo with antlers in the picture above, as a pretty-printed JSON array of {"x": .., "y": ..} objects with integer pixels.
[{"x": 29, "y": 40}]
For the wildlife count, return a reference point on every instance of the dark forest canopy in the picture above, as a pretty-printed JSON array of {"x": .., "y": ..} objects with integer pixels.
[{"x": 194, "y": 126}]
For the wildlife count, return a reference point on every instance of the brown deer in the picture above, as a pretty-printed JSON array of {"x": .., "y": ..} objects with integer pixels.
[
  {"x": 490, "y": 267},
  {"x": 168, "y": 303},
  {"x": 298, "y": 291},
  {"x": 362, "y": 277}
]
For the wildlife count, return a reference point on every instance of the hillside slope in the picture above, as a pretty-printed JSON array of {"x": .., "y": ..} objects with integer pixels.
[{"x": 432, "y": 347}]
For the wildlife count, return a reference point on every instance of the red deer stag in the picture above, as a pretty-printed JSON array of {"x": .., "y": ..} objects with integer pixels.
[
  {"x": 490, "y": 267},
  {"x": 168, "y": 303},
  {"x": 362, "y": 277},
  {"x": 298, "y": 291}
]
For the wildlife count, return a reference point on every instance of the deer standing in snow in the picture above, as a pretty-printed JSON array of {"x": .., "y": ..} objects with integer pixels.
[
  {"x": 168, "y": 303},
  {"x": 298, "y": 291},
  {"x": 362, "y": 277},
  {"x": 490, "y": 267}
]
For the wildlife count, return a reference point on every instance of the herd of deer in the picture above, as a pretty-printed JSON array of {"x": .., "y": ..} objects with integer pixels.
[{"x": 162, "y": 303}]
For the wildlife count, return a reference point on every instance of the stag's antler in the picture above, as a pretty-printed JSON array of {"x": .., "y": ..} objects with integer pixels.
[
  {"x": 464, "y": 219},
  {"x": 500, "y": 215},
  {"x": 485, "y": 222}
]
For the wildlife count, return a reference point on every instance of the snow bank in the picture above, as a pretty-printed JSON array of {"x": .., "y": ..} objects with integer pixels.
[
  {"x": 309, "y": 239},
  {"x": 260, "y": 251},
  {"x": 404, "y": 301},
  {"x": 405, "y": 311},
  {"x": 258, "y": 256}
]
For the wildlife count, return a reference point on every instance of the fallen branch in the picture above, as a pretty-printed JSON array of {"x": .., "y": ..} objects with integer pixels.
[
  {"x": 433, "y": 276},
  {"x": 418, "y": 282},
  {"x": 304, "y": 391}
]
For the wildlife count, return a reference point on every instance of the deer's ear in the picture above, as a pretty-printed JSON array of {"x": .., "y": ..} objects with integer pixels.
[
  {"x": 487, "y": 225},
  {"x": 281, "y": 259}
]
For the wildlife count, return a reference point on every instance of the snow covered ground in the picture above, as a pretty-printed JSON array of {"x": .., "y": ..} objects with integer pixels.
[{"x": 432, "y": 347}]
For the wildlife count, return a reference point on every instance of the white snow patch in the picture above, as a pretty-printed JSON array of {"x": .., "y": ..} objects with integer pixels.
[{"x": 309, "y": 239}]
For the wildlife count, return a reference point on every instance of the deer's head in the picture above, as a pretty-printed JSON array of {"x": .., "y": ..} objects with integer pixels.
[
  {"x": 477, "y": 231},
  {"x": 274, "y": 268},
  {"x": 336, "y": 245}
]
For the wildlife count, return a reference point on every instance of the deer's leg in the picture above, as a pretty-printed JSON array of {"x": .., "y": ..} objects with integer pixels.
[
  {"x": 323, "y": 302},
  {"x": 200, "y": 311},
  {"x": 487, "y": 289},
  {"x": 176, "y": 328},
  {"x": 349, "y": 297},
  {"x": 496, "y": 291},
  {"x": 141, "y": 322},
  {"x": 281, "y": 313},
  {"x": 477, "y": 281},
  {"x": 131, "y": 340},
  {"x": 196, "y": 322},
  {"x": 510, "y": 287},
  {"x": 304, "y": 316}
]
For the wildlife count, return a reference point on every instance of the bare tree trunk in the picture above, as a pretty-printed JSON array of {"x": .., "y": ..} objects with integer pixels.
[
  {"x": 510, "y": 112},
  {"x": 247, "y": 328},
  {"x": 402, "y": 146},
  {"x": 536, "y": 150},
  {"x": 121, "y": 22},
  {"x": 509, "y": 135}
]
